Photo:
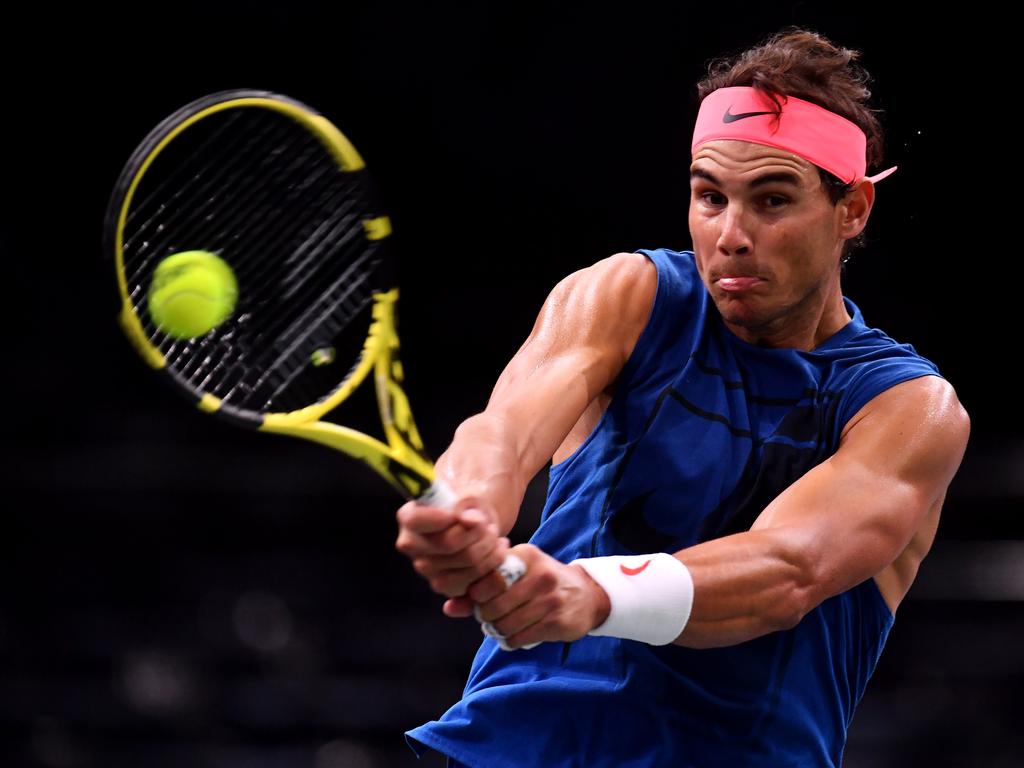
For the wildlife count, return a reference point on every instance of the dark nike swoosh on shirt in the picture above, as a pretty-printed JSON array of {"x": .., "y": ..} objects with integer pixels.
[{"x": 728, "y": 117}]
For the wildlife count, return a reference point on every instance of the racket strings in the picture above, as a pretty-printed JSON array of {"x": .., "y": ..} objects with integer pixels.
[
  {"x": 290, "y": 278},
  {"x": 291, "y": 329},
  {"x": 327, "y": 233},
  {"x": 231, "y": 377},
  {"x": 283, "y": 370},
  {"x": 222, "y": 228},
  {"x": 269, "y": 198},
  {"x": 256, "y": 275},
  {"x": 184, "y": 236},
  {"x": 168, "y": 213},
  {"x": 314, "y": 319},
  {"x": 184, "y": 239},
  {"x": 322, "y": 318}
]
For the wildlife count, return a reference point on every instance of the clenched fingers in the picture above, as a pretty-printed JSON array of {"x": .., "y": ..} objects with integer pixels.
[
  {"x": 480, "y": 554},
  {"x": 422, "y": 519},
  {"x": 453, "y": 582},
  {"x": 421, "y": 533}
]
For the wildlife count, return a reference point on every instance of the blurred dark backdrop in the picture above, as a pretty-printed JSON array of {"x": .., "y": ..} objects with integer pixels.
[{"x": 178, "y": 593}]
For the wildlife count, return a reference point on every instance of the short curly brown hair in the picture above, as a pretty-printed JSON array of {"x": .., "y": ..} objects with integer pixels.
[{"x": 801, "y": 63}]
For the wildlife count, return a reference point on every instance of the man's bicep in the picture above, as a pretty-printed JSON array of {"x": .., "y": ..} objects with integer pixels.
[{"x": 580, "y": 342}]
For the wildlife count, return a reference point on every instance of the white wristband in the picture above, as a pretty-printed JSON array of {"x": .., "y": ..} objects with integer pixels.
[{"x": 651, "y": 596}]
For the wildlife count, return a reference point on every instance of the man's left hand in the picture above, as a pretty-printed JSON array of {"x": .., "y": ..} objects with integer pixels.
[{"x": 552, "y": 602}]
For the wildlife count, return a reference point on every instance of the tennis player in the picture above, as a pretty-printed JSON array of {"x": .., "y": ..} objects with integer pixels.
[{"x": 746, "y": 475}]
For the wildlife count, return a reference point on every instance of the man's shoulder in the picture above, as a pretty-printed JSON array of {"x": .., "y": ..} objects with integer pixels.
[
  {"x": 677, "y": 274},
  {"x": 667, "y": 258},
  {"x": 924, "y": 393},
  {"x": 626, "y": 282},
  {"x": 624, "y": 267},
  {"x": 652, "y": 296},
  {"x": 927, "y": 407}
]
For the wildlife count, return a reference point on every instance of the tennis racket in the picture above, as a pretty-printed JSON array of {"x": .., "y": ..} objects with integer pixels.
[{"x": 274, "y": 189}]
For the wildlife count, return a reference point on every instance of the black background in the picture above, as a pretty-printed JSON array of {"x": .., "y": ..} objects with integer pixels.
[{"x": 179, "y": 593}]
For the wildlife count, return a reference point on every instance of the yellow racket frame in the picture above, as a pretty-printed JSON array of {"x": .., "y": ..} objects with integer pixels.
[{"x": 401, "y": 461}]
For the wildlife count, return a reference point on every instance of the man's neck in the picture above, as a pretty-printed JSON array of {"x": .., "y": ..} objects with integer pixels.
[{"x": 806, "y": 327}]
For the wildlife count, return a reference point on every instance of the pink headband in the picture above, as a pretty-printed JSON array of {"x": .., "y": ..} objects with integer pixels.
[{"x": 815, "y": 134}]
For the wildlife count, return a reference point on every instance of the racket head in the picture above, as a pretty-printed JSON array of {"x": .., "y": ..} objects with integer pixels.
[{"x": 273, "y": 188}]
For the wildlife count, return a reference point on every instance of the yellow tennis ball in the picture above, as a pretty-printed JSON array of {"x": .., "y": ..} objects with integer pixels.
[{"x": 192, "y": 293}]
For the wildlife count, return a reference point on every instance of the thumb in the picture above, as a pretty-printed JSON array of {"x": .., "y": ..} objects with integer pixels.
[{"x": 458, "y": 607}]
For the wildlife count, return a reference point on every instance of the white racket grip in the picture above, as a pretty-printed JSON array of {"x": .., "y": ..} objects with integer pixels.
[{"x": 439, "y": 495}]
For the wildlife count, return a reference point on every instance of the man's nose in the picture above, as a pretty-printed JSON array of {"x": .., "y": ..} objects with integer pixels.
[{"x": 734, "y": 239}]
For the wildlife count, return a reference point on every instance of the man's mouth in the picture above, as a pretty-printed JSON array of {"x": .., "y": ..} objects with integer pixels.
[{"x": 737, "y": 283}]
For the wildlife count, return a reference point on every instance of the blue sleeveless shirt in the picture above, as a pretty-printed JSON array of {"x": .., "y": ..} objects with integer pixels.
[{"x": 702, "y": 433}]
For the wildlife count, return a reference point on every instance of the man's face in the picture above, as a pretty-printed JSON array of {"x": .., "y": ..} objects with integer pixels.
[{"x": 765, "y": 235}]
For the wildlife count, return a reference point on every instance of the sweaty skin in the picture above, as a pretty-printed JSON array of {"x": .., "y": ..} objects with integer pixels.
[{"x": 767, "y": 243}]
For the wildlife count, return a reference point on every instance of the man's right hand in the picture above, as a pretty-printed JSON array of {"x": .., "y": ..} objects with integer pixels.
[{"x": 450, "y": 548}]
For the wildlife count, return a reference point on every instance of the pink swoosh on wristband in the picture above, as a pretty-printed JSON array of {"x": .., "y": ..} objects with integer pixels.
[{"x": 633, "y": 571}]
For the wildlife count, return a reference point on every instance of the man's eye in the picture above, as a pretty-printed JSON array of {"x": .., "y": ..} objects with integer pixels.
[
  {"x": 712, "y": 198},
  {"x": 776, "y": 201}
]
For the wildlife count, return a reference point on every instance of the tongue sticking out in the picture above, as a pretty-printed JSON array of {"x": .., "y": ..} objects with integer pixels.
[{"x": 737, "y": 283}]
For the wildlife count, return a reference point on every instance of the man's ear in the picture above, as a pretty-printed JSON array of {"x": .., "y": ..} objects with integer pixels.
[{"x": 854, "y": 209}]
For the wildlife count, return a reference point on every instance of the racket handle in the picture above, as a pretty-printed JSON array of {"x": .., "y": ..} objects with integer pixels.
[
  {"x": 439, "y": 495},
  {"x": 512, "y": 568}
]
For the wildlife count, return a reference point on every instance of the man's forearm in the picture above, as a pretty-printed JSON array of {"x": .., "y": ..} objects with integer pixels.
[
  {"x": 745, "y": 586},
  {"x": 484, "y": 461}
]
